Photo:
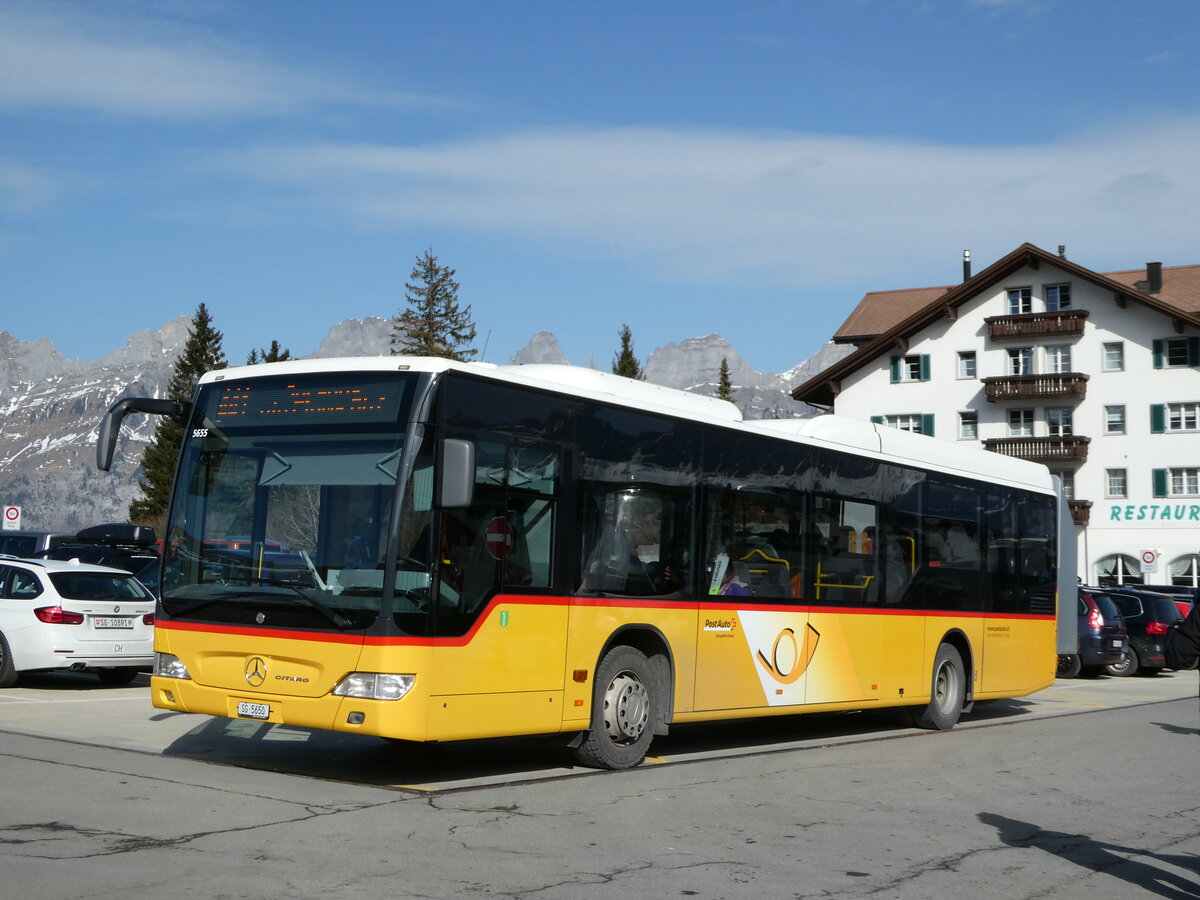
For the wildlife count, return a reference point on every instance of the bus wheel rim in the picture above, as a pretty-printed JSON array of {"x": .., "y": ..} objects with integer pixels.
[
  {"x": 626, "y": 708},
  {"x": 946, "y": 687}
]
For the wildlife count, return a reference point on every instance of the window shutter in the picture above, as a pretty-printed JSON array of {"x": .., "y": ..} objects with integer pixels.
[
  {"x": 925, "y": 366},
  {"x": 1193, "y": 351},
  {"x": 878, "y": 420},
  {"x": 1160, "y": 482},
  {"x": 926, "y": 419},
  {"x": 895, "y": 369},
  {"x": 1157, "y": 347},
  {"x": 1158, "y": 418}
]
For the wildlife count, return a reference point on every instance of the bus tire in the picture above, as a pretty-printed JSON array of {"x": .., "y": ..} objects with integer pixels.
[
  {"x": 8, "y": 669},
  {"x": 948, "y": 692},
  {"x": 623, "y": 704}
]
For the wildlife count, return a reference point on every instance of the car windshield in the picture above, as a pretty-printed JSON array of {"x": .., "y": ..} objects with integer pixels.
[
  {"x": 97, "y": 586},
  {"x": 284, "y": 521}
]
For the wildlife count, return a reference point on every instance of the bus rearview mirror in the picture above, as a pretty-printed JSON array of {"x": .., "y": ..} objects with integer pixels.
[{"x": 456, "y": 484}]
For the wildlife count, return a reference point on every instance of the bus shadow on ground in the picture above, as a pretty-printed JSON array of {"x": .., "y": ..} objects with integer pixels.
[{"x": 363, "y": 759}]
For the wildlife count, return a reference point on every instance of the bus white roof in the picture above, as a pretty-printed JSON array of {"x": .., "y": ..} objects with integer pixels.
[{"x": 835, "y": 432}]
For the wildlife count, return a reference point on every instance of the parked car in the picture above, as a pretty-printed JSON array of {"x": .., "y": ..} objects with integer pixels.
[
  {"x": 71, "y": 615},
  {"x": 1102, "y": 637},
  {"x": 128, "y": 547},
  {"x": 30, "y": 543},
  {"x": 1183, "y": 596},
  {"x": 1148, "y": 616}
]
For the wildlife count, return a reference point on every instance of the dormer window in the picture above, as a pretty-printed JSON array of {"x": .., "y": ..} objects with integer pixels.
[
  {"x": 1020, "y": 300},
  {"x": 1058, "y": 296}
]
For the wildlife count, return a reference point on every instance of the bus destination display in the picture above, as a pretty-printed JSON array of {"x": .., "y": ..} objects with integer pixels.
[{"x": 305, "y": 401}]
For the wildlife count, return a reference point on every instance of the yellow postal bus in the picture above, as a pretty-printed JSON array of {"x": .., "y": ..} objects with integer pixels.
[{"x": 427, "y": 550}]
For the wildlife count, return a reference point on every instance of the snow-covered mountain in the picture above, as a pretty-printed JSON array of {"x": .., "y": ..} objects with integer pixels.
[{"x": 50, "y": 407}]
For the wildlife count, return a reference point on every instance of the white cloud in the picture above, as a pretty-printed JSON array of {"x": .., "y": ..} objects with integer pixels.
[
  {"x": 67, "y": 57},
  {"x": 765, "y": 208}
]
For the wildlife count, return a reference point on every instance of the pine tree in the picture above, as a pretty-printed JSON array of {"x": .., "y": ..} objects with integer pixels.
[
  {"x": 624, "y": 362},
  {"x": 201, "y": 353},
  {"x": 724, "y": 383},
  {"x": 433, "y": 325},
  {"x": 275, "y": 354}
]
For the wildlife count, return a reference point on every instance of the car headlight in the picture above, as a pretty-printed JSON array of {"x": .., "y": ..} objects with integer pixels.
[
  {"x": 374, "y": 685},
  {"x": 167, "y": 665}
]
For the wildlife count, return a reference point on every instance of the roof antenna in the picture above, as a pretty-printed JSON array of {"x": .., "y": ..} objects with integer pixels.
[{"x": 483, "y": 353}]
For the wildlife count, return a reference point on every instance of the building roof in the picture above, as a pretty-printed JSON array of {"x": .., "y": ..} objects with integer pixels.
[{"x": 884, "y": 320}]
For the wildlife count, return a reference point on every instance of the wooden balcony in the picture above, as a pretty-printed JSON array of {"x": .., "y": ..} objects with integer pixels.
[
  {"x": 1081, "y": 511},
  {"x": 1067, "y": 386},
  {"x": 1067, "y": 323},
  {"x": 1041, "y": 449}
]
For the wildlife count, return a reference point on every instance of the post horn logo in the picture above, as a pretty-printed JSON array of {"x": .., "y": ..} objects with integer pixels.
[
  {"x": 788, "y": 666},
  {"x": 256, "y": 671}
]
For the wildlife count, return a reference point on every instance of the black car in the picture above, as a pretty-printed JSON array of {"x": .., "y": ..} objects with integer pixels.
[
  {"x": 1102, "y": 637},
  {"x": 128, "y": 547},
  {"x": 1148, "y": 616}
]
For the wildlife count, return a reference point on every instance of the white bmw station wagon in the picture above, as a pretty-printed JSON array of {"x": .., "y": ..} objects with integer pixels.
[{"x": 71, "y": 615}]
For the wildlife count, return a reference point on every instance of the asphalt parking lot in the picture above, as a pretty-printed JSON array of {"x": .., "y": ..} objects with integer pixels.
[{"x": 76, "y": 708}]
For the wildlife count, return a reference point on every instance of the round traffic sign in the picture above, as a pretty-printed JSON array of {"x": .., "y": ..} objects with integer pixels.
[
  {"x": 12, "y": 514},
  {"x": 498, "y": 538},
  {"x": 1148, "y": 557}
]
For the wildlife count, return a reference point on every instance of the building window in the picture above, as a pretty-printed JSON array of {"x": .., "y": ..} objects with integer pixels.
[
  {"x": 1185, "y": 571},
  {"x": 910, "y": 368},
  {"x": 1067, "y": 477},
  {"x": 1115, "y": 484},
  {"x": 1020, "y": 361},
  {"x": 1185, "y": 482},
  {"x": 1183, "y": 416},
  {"x": 1058, "y": 359},
  {"x": 1058, "y": 420},
  {"x": 917, "y": 423},
  {"x": 968, "y": 426},
  {"x": 1114, "y": 357},
  {"x": 1058, "y": 296},
  {"x": 1020, "y": 300},
  {"x": 1020, "y": 423},
  {"x": 1171, "y": 353},
  {"x": 966, "y": 364},
  {"x": 1114, "y": 420}
]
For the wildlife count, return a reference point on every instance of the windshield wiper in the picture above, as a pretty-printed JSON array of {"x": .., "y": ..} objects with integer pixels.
[{"x": 339, "y": 621}]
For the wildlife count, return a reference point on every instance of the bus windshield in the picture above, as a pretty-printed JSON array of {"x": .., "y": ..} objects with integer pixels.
[{"x": 283, "y": 502}]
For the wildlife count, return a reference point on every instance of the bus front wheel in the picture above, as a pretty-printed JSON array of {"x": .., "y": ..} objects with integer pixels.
[
  {"x": 948, "y": 692},
  {"x": 623, "y": 704}
]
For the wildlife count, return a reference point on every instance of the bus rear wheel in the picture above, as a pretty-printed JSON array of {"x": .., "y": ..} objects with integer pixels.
[
  {"x": 623, "y": 704},
  {"x": 948, "y": 692}
]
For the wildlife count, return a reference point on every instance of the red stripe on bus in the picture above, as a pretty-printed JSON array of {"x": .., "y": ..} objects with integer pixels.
[{"x": 597, "y": 602}]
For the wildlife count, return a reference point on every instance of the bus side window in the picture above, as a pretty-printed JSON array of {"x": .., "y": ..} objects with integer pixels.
[
  {"x": 636, "y": 541},
  {"x": 845, "y": 569},
  {"x": 751, "y": 548}
]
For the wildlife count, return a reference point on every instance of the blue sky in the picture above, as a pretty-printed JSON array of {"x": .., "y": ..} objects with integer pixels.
[{"x": 745, "y": 168}]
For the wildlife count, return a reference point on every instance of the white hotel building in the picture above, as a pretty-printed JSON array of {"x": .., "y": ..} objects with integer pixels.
[{"x": 1096, "y": 375}]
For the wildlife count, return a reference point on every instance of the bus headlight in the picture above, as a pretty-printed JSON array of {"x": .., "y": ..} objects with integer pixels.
[
  {"x": 374, "y": 685},
  {"x": 168, "y": 665}
]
